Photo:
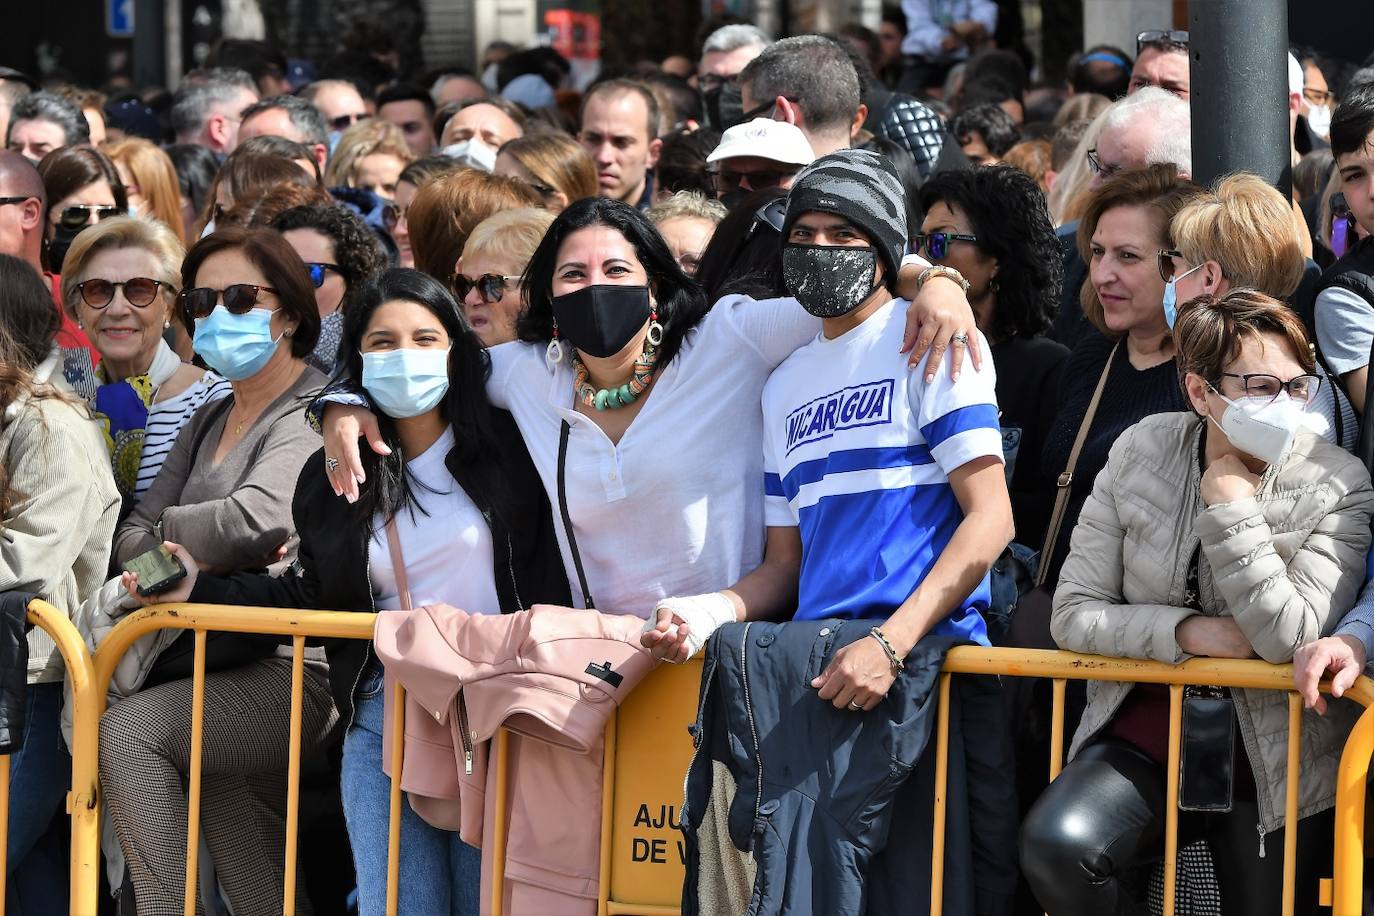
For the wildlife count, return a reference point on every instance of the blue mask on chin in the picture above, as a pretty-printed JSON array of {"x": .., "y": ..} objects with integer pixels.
[{"x": 1171, "y": 298}]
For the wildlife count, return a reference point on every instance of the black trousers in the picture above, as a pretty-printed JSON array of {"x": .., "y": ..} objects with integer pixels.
[{"x": 1088, "y": 842}]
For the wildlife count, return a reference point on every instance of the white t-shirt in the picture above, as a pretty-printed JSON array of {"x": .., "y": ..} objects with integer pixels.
[
  {"x": 447, "y": 548},
  {"x": 858, "y": 453},
  {"x": 165, "y": 421},
  {"x": 677, "y": 507}
]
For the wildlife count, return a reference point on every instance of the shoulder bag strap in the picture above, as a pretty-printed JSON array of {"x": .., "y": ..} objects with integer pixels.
[
  {"x": 1065, "y": 482},
  {"x": 398, "y": 563},
  {"x": 563, "y": 435}
]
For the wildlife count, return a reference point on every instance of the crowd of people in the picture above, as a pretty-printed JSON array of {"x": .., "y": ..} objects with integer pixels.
[{"x": 811, "y": 357}]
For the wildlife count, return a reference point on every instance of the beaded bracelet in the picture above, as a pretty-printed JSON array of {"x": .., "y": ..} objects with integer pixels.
[{"x": 891, "y": 653}]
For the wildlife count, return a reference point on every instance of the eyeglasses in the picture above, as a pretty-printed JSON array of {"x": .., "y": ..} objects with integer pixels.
[
  {"x": 78, "y": 215},
  {"x": 238, "y": 299},
  {"x": 936, "y": 244},
  {"x": 491, "y": 287},
  {"x": 343, "y": 122},
  {"x": 1302, "y": 388},
  {"x": 138, "y": 291},
  {"x": 1317, "y": 96},
  {"x": 727, "y": 181},
  {"x": 317, "y": 271},
  {"x": 1160, "y": 36},
  {"x": 1106, "y": 170}
]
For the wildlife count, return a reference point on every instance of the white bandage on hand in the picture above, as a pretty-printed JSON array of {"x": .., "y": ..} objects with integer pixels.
[{"x": 702, "y": 614}]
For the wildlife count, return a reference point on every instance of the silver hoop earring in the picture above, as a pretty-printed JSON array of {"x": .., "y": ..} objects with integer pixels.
[
  {"x": 655, "y": 335},
  {"x": 553, "y": 353}
]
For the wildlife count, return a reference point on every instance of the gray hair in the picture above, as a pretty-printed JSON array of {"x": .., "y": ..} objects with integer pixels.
[
  {"x": 687, "y": 205},
  {"x": 1165, "y": 115},
  {"x": 304, "y": 116},
  {"x": 729, "y": 38},
  {"x": 811, "y": 70},
  {"x": 55, "y": 109},
  {"x": 202, "y": 93}
]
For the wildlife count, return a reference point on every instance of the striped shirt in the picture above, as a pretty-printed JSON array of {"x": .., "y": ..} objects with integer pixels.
[
  {"x": 165, "y": 421},
  {"x": 857, "y": 455}
]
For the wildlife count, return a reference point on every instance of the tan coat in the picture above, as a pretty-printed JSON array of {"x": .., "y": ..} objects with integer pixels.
[{"x": 1286, "y": 564}]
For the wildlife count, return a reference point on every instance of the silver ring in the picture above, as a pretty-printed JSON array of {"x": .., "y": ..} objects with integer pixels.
[
  {"x": 331, "y": 463},
  {"x": 855, "y": 706},
  {"x": 959, "y": 340}
]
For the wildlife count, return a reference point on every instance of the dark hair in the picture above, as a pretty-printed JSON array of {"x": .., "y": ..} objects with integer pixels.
[
  {"x": 388, "y": 488},
  {"x": 422, "y": 170},
  {"x": 988, "y": 90},
  {"x": 744, "y": 255},
  {"x": 892, "y": 13},
  {"x": 545, "y": 63},
  {"x": 680, "y": 302},
  {"x": 264, "y": 203},
  {"x": 1000, "y": 65},
  {"x": 684, "y": 102},
  {"x": 54, "y": 108},
  {"x": 280, "y": 147},
  {"x": 1007, "y": 212},
  {"x": 304, "y": 116},
  {"x": 1210, "y": 331},
  {"x": 279, "y": 263},
  {"x": 1353, "y": 121},
  {"x": 1103, "y": 77},
  {"x": 256, "y": 58},
  {"x": 356, "y": 252},
  {"x": 813, "y": 70},
  {"x": 863, "y": 67},
  {"x": 908, "y": 173},
  {"x": 196, "y": 167},
  {"x": 682, "y": 162},
  {"x": 406, "y": 92},
  {"x": 624, "y": 87},
  {"x": 68, "y": 169},
  {"x": 996, "y": 127},
  {"x": 864, "y": 42}
]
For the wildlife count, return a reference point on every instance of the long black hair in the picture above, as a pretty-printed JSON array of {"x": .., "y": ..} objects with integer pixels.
[
  {"x": 680, "y": 302},
  {"x": 1007, "y": 212},
  {"x": 744, "y": 255},
  {"x": 465, "y": 407}
]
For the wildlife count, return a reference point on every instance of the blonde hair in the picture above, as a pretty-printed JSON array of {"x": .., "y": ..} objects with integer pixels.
[
  {"x": 124, "y": 232},
  {"x": 446, "y": 210},
  {"x": 1246, "y": 226},
  {"x": 152, "y": 170},
  {"x": 366, "y": 138},
  {"x": 1082, "y": 106},
  {"x": 511, "y": 233},
  {"x": 1070, "y": 186},
  {"x": 558, "y": 161},
  {"x": 687, "y": 205}
]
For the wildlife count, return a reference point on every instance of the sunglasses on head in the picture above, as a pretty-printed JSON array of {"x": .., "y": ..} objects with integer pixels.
[
  {"x": 78, "y": 215},
  {"x": 318, "y": 269},
  {"x": 936, "y": 244},
  {"x": 138, "y": 291},
  {"x": 343, "y": 122},
  {"x": 772, "y": 214},
  {"x": 238, "y": 299},
  {"x": 1162, "y": 36},
  {"x": 491, "y": 287}
]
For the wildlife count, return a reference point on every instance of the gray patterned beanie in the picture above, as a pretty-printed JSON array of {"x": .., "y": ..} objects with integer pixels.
[{"x": 862, "y": 187}]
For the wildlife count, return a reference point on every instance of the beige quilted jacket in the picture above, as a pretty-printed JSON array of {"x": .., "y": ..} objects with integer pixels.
[{"x": 1286, "y": 564}]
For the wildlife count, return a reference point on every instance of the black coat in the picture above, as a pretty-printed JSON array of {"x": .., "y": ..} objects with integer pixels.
[
  {"x": 14, "y": 669},
  {"x": 332, "y": 566}
]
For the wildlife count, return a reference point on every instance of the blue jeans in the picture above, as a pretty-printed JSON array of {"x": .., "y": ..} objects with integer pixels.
[
  {"x": 440, "y": 874},
  {"x": 40, "y": 774}
]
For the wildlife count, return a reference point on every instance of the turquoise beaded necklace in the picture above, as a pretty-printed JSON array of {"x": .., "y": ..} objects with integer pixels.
[{"x": 620, "y": 395}]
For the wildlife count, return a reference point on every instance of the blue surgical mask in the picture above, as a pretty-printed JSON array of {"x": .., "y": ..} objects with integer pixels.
[
  {"x": 1171, "y": 298},
  {"x": 406, "y": 382},
  {"x": 236, "y": 346}
]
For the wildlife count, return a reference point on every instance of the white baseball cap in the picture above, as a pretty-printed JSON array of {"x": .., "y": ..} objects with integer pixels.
[{"x": 766, "y": 139}]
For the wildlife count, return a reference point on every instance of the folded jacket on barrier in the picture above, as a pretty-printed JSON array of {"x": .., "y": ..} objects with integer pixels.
[
  {"x": 552, "y": 677},
  {"x": 14, "y": 666},
  {"x": 836, "y": 806}
]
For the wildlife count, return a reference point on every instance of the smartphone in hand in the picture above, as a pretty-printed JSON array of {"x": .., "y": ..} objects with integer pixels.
[{"x": 157, "y": 570}]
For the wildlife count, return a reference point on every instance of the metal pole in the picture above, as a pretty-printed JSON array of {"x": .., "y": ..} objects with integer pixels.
[
  {"x": 1239, "y": 89},
  {"x": 149, "y": 43}
]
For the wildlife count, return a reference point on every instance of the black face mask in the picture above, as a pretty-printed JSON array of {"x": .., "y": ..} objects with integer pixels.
[
  {"x": 600, "y": 320},
  {"x": 57, "y": 248},
  {"x": 829, "y": 281},
  {"x": 723, "y": 107}
]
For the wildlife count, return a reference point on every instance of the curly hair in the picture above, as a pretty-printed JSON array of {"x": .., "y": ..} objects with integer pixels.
[
  {"x": 356, "y": 252},
  {"x": 1008, "y": 214}
]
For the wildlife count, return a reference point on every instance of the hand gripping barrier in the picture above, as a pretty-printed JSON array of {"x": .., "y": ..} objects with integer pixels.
[{"x": 648, "y": 749}]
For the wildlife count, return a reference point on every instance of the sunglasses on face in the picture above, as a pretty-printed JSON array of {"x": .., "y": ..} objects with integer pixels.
[
  {"x": 725, "y": 182},
  {"x": 343, "y": 122},
  {"x": 318, "y": 269},
  {"x": 238, "y": 299},
  {"x": 138, "y": 291},
  {"x": 78, "y": 215},
  {"x": 1167, "y": 268},
  {"x": 491, "y": 287},
  {"x": 936, "y": 244}
]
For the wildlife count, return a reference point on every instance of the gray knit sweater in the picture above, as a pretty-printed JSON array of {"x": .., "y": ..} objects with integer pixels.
[{"x": 55, "y": 539}]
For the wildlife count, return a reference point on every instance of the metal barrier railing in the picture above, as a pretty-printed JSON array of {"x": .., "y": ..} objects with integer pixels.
[
  {"x": 81, "y": 798},
  {"x": 629, "y": 886}
]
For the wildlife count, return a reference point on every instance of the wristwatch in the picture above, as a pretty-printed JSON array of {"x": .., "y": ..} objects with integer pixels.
[{"x": 941, "y": 270}]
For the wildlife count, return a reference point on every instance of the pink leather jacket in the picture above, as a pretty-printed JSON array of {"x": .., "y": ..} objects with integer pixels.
[{"x": 551, "y": 676}]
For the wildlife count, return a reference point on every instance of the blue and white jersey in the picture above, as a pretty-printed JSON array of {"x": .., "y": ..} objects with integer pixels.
[{"x": 857, "y": 454}]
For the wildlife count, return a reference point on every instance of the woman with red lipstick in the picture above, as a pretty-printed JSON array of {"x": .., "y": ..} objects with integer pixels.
[{"x": 1125, "y": 225}]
